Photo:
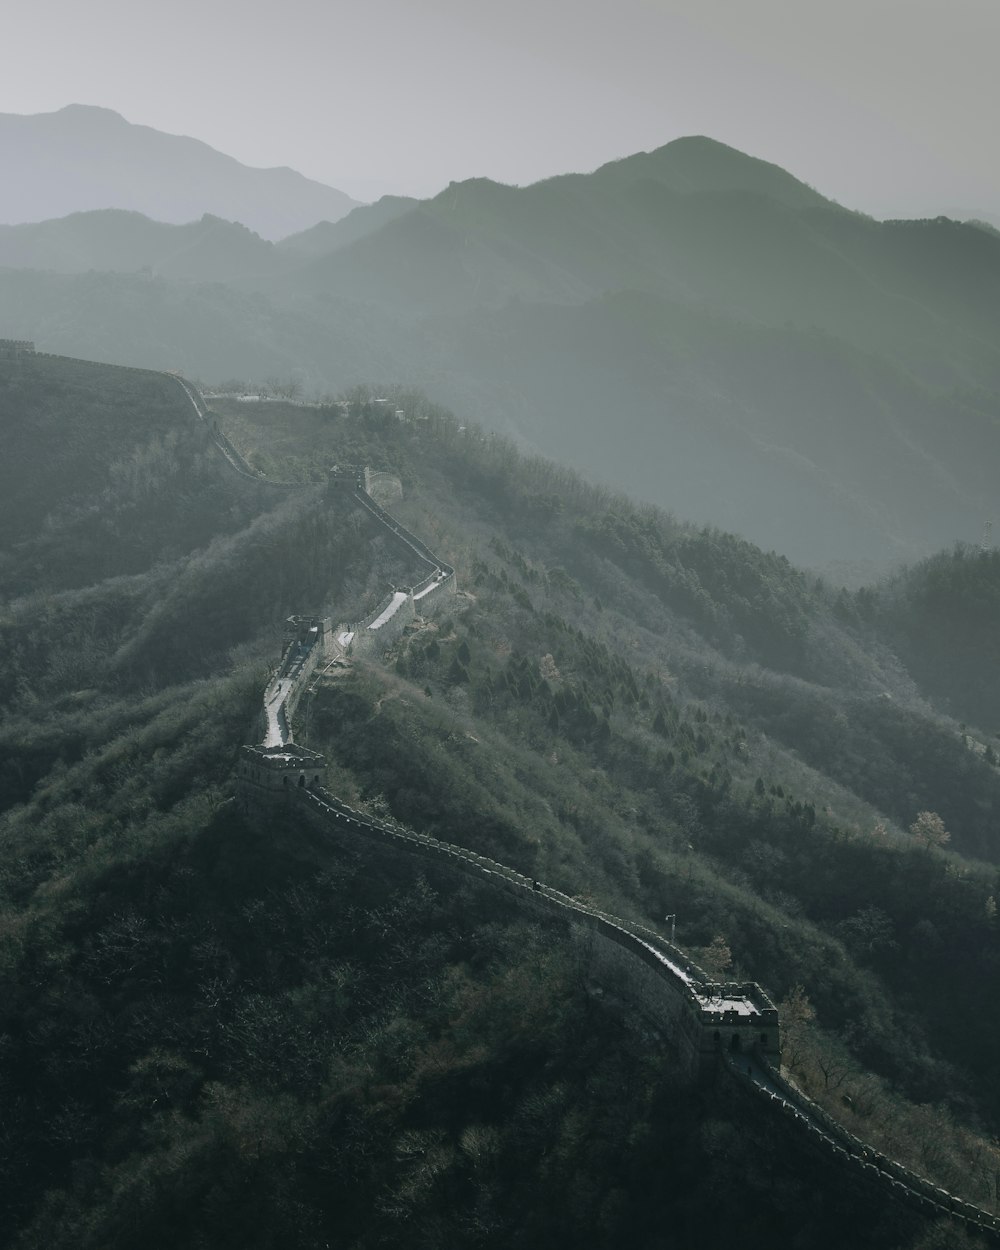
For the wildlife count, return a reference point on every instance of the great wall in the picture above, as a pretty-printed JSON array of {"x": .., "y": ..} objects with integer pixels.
[{"x": 724, "y": 1031}]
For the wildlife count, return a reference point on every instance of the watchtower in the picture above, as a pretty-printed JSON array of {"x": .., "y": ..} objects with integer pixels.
[
  {"x": 14, "y": 349},
  {"x": 345, "y": 477},
  {"x": 304, "y": 631},
  {"x": 738, "y": 1017},
  {"x": 273, "y": 774}
]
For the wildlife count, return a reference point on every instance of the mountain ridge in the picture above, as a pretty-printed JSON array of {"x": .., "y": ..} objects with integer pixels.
[
  {"x": 104, "y": 161},
  {"x": 691, "y": 322},
  {"x": 699, "y": 162},
  {"x": 117, "y": 240}
]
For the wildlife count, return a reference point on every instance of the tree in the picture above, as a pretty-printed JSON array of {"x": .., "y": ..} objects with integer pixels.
[
  {"x": 929, "y": 829},
  {"x": 868, "y": 931},
  {"x": 717, "y": 958}
]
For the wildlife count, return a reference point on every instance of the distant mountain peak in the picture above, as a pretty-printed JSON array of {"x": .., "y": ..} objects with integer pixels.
[
  {"x": 84, "y": 157},
  {"x": 701, "y": 143},
  {"x": 698, "y": 163},
  {"x": 86, "y": 110}
]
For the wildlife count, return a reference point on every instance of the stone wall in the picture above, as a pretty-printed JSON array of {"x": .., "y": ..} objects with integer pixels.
[
  {"x": 14, "y": 349},
  {"x": 629, "y": 965},
  {"x": 403, "y": 534},
  {"x": 632, "y": 966},
  {"x": 383, "y": 487},
  {"x": 310, "y": 637},
  {"x": 270, "y": 776},
  {"x": 861, "y": 1164},
  {"x": 631, "y": 973},
  {"x": 310, "y": 641},
  {"x": 375, "y": 642},
  {"x": 649, "y": 975},
  {"x": 438, "y": 580}
]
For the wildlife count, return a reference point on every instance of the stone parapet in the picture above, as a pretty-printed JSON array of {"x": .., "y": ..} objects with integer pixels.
[
  {"x": 866, "y": 1167},
  {"x": 638, "y": 967},
  {"x": 383, "y": 487},
  {"x": 14, "y": 349},
  {"x": 272, "y": 775}
]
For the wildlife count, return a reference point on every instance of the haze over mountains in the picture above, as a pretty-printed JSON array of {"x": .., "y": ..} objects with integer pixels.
[
  {"x": 221, "y": 1027},
  {"x": 123, "y": 241},
  {"x": 691, "y": 324},
  {"x": 82, "y": 157}
]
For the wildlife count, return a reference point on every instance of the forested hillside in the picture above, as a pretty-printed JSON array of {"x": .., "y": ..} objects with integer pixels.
[{"x": 217, "y": 1033}]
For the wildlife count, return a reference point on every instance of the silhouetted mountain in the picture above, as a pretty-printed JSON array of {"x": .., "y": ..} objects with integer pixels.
[
  {"x": 698, "y": 163},
  {"x": 83, "y": 158},
  {"x": 328, "y": 236},
  {"x": 690, "y": 324},
  {"x": 925, "y": 293},
  {"x": 118, "y": 241},
  {"x": 706, "y": 330}
]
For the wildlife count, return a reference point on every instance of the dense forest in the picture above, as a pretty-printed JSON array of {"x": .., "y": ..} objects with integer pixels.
[{"x": 217, "y": 1032}]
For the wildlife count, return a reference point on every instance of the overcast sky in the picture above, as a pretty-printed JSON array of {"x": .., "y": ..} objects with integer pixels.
[{"x": 889, "y": 106}]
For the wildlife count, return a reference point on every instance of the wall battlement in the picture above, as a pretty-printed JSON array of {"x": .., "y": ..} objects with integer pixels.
[
  {"x": 383, "y": 487},
  {"x": 272, "y": 774},
  {"x": 14, "y": 349},
  {"x": 310, "y": 641},
  {"x": 629, "y": 962}
]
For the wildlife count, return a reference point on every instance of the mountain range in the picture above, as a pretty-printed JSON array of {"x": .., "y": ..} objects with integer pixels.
[
  {"x": 691, "y": 324},
  {"x": 221, "y": 1027},
  {"x": 83, "y": 157}
]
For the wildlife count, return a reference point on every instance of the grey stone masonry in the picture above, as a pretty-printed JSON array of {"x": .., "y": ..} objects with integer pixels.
[
  {"x": 14, "y": 349},
  {"x": 383, "y": 487},
  {"x": 379, "y": 630},
  {"x": 270, "y": 775}
]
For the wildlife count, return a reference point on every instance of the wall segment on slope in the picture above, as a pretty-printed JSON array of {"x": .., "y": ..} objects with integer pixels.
[{"x": 732, "y": 1028}]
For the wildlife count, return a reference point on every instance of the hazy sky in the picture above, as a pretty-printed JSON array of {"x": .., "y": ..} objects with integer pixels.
[{"x": 885, "y": 105}]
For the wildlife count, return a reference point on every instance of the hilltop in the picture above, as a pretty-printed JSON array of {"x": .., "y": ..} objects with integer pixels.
[{"x": 250, "y": 1037}]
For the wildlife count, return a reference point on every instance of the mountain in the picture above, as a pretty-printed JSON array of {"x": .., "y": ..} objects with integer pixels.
[
  {"x": 235, "y": 1032},
  {"x": 698, "y": 163},
  {"x": 691, "y": 325},
  {"x": 328, "y": 236},
  {"x": 703, "y": 329},
  {"x": 923, "y": 293},
  {"x": 118, "y": 241},
  {"x": 82, "y": 157},
  {"x": 210, "y": 250}
]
